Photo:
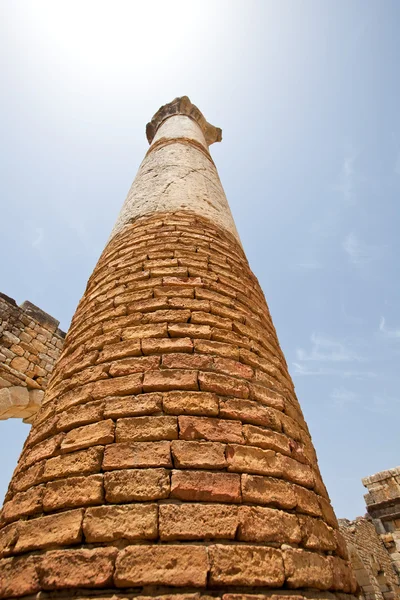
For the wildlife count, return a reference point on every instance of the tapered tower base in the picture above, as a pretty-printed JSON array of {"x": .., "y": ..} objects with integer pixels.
[{"x": 170, "y": 457}]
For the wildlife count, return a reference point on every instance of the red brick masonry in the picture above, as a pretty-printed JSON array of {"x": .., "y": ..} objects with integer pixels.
[{"x": 170, "y": 456}]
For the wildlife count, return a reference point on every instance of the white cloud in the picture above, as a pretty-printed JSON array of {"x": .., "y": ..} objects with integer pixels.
[
  {"x": 327, "y": 350},
  {"x": 310, "y": 265},
  {"x": 360, "y": 253},
  {"x": 304, "y": 370},
  {"x": 389, "y": 333},
  {"x": 346, "y": 178},
  {"x": 329, "y": 357},
  {"x": 39, "y": 237},
  {"x": 342, "y": 397}
]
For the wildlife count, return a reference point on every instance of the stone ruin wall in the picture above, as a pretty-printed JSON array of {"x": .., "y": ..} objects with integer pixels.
[
  {"x": 371, "y": 560},
  {"x": 30, "y": 344},
  {"x": 383, "y": 505}
]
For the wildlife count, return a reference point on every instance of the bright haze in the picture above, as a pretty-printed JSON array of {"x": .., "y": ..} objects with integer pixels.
[{"x": 307, "y": 95}]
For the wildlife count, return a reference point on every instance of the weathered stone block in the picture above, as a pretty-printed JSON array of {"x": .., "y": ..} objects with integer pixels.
[
  {"x": 137, "y": 454},
  {"x": 197, "y": 521},
  {"x": 54, "y": 530},
  {"x": 162, "y": 565},
  {"x": 246, "y": 565},
  {"x": 205, "y": 486},
  {"x": 129, "y": 522},
  {"x": 136, "y": 484}
]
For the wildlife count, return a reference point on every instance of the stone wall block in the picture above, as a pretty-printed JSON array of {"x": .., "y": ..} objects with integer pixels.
[
  {"x": 66, "y": 569},
  {"x": 136, "y": 484},
  {"x": 246, "y": 566},
  {"x": 177, "y": 566},
  {"x": 129, "y": 522}
]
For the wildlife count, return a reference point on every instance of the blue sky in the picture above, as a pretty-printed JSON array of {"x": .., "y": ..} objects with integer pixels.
[{"x": 307, "y": 95}]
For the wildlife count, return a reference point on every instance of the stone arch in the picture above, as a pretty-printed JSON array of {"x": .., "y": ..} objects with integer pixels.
[{"x": 18, "y": 401}]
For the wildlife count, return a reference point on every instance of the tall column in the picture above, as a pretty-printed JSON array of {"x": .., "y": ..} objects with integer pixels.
[{"x": 170, "y": 457}]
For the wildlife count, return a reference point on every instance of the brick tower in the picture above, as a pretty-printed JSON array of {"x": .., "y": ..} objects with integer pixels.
[{"x": 170, "y": 458}]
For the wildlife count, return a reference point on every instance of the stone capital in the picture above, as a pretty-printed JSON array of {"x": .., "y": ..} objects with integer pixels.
[{"x": 183, "y": 106}]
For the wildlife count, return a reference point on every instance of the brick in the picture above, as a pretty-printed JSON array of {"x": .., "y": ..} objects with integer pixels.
[
  {"x": 230, "y": 337},
  {"x": 136, "y": 484},
  {"x": 186, "y": 361},
  {"x": 137, "y": 454},
  {"x": 73, "y": 492},
  {"x": 163, "y": 381},
  {"x": 224, "y": 385},
  {"x": 266, "y": 396},
  {"x": 168, "y": 316},
  {"x": 128, "y": 522},
  {"x": 217, "y": 348},
  {"x": 177, "y": 566},
  {"x": 88, "y": 435},
  {"x": 267, "y": 439},
  {"x": 8, "y": 539},
  {"x": 23, "y": 504},
  {"x": 295, "y": 471},
  {"x": 291, "y": 428},
  {"x": 246, "y": 565},
  {"x": 228, "y": 313},
  {"x": 80, "y": 415},
  {"x": 140, "y": 332},
  {"x": 190, "y": 403},
  {"x": 182, "y": 281},
  {"x": 205, "y": 318},
  {"x": 165, "y": 262},
  {"x": 139, "y": 364},
  {"x": 164, "y": 346},
  {"x": 316, "y": 535},
  {"x": 327, "y": 512},
  {"x": 262, "y": 524},
  {"x": 341, "y": 546},
  {"x": 73, "y": 397},
  {"x": 43, "y": 450},
  {"x": 197, "y": 521},
  {"x": 233, "y": 368},
  {"x": 268, "y": 490},
  {"x": 43, "y": 431},
  {"x": 307, "y": 501},
  {"x": 198, "y": 455},
  {"x": 249, "y": 459},
  {"x": 130, "y": 406},
  {"x": 190, "y": 330},
  {"x": 214, "y": 430},
  {"x": 189, "y": 303},
  {"x": 148, "y": 305},
  {"x": 344, "y": 579},
  {"x": 250, "y": 412},
  {"x": 53, "y": 530},
  {"x": 26, "y": 479},
  {"x": 18, "y": 576},
  {"x": 91, "y": 374},
  {"x": 205, "y": 486},
  {"x": 146, "y": 429},
  {"x": 63, "y": 569},
  {"x": 120, "y": 350},
  {"x": 172, "y": 292},
  {"x": 98, "y": 342},
  {"x": 169, "y": 271},
  {"x": 76, "y": 463},
  {"x": 120, "y": 386},
  {"x": 204, "y": 294},
  {"x": 307, "y": 569}
]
